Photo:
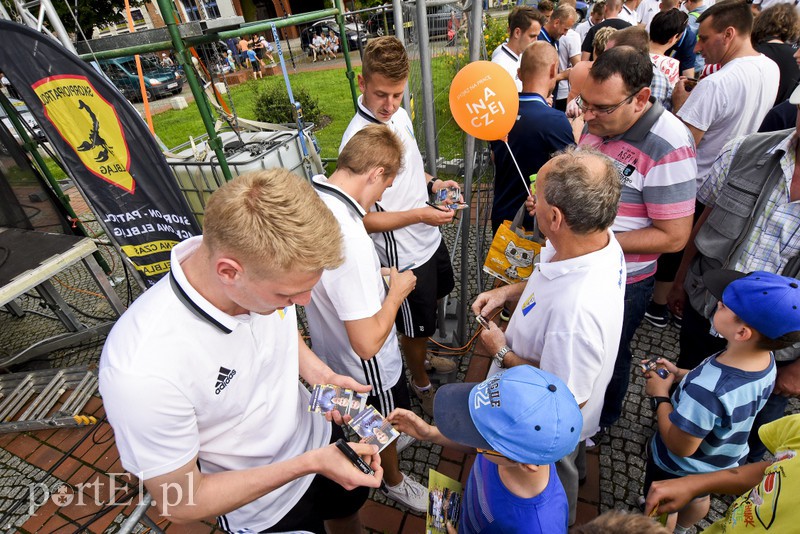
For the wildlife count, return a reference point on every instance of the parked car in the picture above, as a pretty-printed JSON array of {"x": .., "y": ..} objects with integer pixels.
[
  {"x": 439, "y": 21},
  {"x": 159, "y": 81},
  {"x": 25, "y": 116},
  {"x": 356, "y": 35}
]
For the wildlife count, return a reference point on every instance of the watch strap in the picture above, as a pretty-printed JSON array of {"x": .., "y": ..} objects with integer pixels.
[
  {"x": 655, "y": 401},
  {"x": 501, "y": 354}
]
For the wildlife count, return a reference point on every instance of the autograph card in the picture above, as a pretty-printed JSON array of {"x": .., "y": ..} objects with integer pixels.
[
  {"x": 373, "y": 428},
  {"x": 327, "y": 397}
]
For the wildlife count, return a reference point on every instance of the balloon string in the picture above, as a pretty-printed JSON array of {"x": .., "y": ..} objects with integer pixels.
[{"x": 524, "y": 181}]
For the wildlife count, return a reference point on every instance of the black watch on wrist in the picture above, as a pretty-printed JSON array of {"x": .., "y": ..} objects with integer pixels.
[
  {"x": 655, "y": 401},
  {"x": 430, "y": 186}
]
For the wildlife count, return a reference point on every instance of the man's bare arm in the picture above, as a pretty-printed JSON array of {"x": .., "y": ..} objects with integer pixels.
[
  {"x": 186, "y": 494},
  {"x": 669, "y": 235}
]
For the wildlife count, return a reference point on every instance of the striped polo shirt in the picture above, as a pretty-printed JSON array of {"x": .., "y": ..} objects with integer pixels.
[
  {"x": 656, "y": 162},
  {"x": 718, "y": 403}
]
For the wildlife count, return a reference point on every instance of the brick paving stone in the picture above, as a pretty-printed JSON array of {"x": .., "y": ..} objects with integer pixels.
[
  {"x": 452, "y": 454},
  {"x": 68, "y": 468},
  {"x": 450, "y": 469},
  {"x": 381, "y": 517},
  {"x": 413, "y": 525},
  {"x": 23, "y": 446},
  {"x": 44, "y": 457},
  {"x": 90, "y": 452}
]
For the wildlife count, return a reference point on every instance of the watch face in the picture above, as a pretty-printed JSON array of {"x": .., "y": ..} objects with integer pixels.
[{"x": 655, "y": 401}]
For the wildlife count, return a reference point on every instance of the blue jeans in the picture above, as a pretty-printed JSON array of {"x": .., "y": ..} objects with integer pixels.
[{"x": 637, "y": 296}]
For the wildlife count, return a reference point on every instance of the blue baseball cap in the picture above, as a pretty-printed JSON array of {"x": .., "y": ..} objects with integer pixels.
[
  {"x": 526, "y": 414},
  {"x": 768, "y": 302}
]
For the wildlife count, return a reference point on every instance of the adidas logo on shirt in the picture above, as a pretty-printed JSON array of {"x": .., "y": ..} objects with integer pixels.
[{"x": 224, "y": 378}]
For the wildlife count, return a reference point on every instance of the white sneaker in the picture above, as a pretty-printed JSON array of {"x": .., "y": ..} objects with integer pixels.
[
  {"x": 440, "y": 365},
  {"x": 410, "y": 493},
  {"x": 403, "y": 442}
]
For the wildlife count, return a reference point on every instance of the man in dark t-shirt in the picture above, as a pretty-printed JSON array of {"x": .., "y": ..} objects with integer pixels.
[
  {"x": 613, "y": 7},
  {"x": 539, "y": 132}
]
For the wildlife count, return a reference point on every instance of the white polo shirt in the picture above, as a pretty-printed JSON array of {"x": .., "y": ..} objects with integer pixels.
[
  {"x": 628, "y": 15},
  {"x": 506, "y": 58},
  {"x": 181, "y": 378},
  {"x": 569, "y": 320},
  {"x": 415, "y": 243},
  {"x": 353, "y": 291}
]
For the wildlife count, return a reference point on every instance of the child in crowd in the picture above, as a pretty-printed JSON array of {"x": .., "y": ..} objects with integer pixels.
[
  {"x": 255, "y": 63},
  {"x": 333, "y": 42},
  {"x": 619, "y": 522},
  {"x": 705, "y": 425},
  {"x": 521, "y": 421},
  {"x": 766, "y": 487}
]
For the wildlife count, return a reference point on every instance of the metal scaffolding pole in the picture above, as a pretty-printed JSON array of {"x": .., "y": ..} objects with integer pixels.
[
  {"x": 475, "y": 40},
  {"x": 351, "y": 75},
  {"x": 263, "y": 26},
  {"x": 427, "y": 88},
  {"x": 203, "y": 107},
  {"x": 399, "y": 32},
  {"x": 37, "y": 21}
]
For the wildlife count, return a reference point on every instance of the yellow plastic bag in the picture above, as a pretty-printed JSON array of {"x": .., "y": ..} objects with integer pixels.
[{"x": 513, "y": 250}]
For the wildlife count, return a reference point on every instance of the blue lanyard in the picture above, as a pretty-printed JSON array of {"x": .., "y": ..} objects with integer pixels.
[
  {"x": 533, "y": 98},
  {"x": 547, "y": 38}
]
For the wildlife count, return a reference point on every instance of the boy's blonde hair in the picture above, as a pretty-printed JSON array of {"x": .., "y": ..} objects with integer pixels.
[
  {"x": 373, "y": 146},
  {"x": 273, "y": 220}
]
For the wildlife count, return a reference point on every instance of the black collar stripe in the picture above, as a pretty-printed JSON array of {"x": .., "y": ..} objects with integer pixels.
[
  {"x": 367, "y": 116},
  {"x": 325, "y": 188},
  {"x": 509, "y": 53},
  {"x": 193, "y": 307}
]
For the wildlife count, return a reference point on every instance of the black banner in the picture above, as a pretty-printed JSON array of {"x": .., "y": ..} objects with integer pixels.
[{"x": 104, "y": 143}]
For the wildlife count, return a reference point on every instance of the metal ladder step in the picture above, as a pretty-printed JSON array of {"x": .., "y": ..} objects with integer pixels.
[{"x": 32, "y": 400}]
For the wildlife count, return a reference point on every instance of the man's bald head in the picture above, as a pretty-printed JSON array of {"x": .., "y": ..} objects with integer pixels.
[
  {"x": 537, "y": 60},
  {"x": 613, "y": 7}
]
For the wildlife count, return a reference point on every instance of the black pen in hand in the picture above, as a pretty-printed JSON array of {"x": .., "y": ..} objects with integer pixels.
[
  {"x": 356, "y": 459},
  {"x": 434, "y": 206}
]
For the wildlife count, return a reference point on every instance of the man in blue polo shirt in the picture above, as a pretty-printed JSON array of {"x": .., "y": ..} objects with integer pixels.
[{"x": 539, "y": 132}]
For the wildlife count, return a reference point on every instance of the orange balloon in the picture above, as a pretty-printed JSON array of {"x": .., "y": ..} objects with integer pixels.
[{"x": 484, "y": 100}]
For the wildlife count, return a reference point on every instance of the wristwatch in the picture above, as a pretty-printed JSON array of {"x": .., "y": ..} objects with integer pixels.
[
  {"x": 655, "y": 401},
  {"x": 430, "y": 185},
  {"x": 500, "y": 356}
]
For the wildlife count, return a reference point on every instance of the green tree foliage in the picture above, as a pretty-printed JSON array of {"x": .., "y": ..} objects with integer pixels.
[{"x": 90, "y": 13}]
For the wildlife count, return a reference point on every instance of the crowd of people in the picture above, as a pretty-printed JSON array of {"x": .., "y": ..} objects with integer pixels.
[{"x": 660, "y": 200}]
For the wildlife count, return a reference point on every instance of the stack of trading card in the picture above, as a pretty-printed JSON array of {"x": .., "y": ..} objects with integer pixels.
[
  {"x": 366, "y": 421},
  {"x": 327, "y": 397}
]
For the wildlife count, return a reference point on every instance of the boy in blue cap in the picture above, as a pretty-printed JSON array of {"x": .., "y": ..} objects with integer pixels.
[
  {"x": 705, "y": 425},
  {"x": 521, "y": 421}
]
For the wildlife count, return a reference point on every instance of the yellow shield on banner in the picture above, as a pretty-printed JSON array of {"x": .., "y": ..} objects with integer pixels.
[{"x": 89, "y": 124}]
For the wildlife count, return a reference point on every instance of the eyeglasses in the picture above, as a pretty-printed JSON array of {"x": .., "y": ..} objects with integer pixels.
[{"x": 604, "y": 109}]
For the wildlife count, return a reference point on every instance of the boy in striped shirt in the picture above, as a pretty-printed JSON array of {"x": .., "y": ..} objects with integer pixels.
[{"x": 704, "y": 426}]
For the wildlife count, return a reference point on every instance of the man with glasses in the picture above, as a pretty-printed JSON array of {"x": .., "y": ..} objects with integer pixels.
[{"x": 655, "y": 156}]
